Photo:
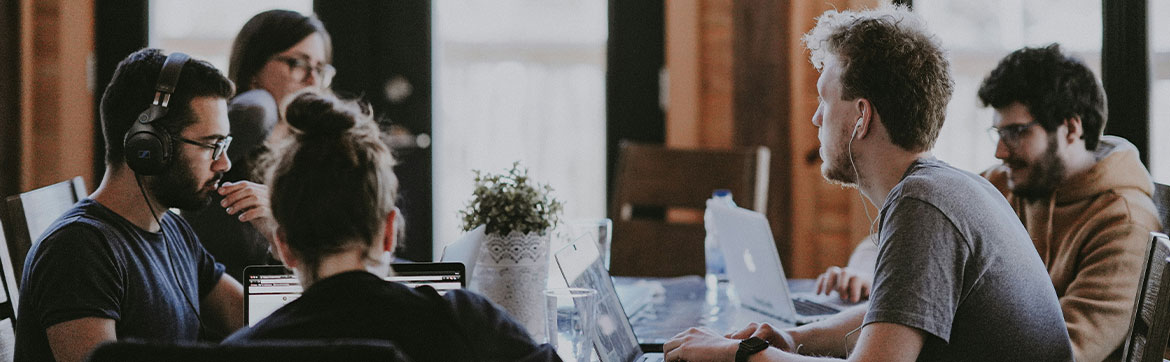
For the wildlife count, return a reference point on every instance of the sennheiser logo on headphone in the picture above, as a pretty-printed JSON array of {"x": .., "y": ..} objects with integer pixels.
[{"x": 144, "y": 154}]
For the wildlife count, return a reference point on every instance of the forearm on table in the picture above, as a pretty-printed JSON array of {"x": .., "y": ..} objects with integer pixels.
[{"x": 827, "y": 337}]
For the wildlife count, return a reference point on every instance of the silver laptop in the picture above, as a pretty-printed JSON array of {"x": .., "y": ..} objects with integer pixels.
[
  {"x": 753, "y": 266},
  {"x": 269, "y": 287},
  {"x": 582, "y": 267},
  {"x": 465, "y": 250}
]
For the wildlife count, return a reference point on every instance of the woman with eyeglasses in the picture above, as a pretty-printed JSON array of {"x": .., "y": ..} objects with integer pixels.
[{"x": 277, "y": 53}]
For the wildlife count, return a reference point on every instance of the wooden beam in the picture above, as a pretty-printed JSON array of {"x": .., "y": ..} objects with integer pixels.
[{"x": 56, "y": 127}]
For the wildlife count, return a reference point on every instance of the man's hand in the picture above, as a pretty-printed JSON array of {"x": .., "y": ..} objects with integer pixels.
[
  {"x": 249, "y": 201},
  {"x": 850, "y": 284},
  {"x": 699, "y": 345},
  {"x": 776, "y": 338}
]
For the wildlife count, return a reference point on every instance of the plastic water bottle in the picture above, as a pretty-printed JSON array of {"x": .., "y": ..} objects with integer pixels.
[{"x": 716, "y": 265}]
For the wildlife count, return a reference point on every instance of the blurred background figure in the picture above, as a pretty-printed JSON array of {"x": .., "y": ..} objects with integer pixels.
[{"x": 277, "y": 53}]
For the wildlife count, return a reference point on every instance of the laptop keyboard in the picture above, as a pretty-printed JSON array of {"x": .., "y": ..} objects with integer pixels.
[
  {"x": 652, "y": 357},
  {"x": 809, "y": 308}
]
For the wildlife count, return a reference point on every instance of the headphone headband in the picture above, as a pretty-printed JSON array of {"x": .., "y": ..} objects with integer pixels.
[{"x": 148, "y": 149}]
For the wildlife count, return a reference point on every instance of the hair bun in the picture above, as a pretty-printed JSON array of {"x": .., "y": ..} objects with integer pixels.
[{"x": 317, "y": 114}]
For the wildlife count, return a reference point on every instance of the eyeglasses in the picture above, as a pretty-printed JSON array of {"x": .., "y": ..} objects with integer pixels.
[
  {"x": 218, "y": 148},
  {"x": 301, "y": 67},
  {"x": 1010, "y": 134}
]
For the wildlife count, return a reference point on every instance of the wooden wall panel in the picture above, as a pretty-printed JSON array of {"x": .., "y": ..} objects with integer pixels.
[
  {"x": 816, "y": 224},
  {"x": 57, "y": 98},
  {"x": 699, "y": 63}
]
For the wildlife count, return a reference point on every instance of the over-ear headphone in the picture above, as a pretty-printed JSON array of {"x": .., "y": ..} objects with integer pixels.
[{"x": 146, "y": 148}]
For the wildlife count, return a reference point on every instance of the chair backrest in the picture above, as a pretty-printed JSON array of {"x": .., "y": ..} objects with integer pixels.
[
  {"x": 30, "y": 213},
  {"x": 7, "y": 305},
  {"x": 1150, "y": 325},
  {"x": 286, "y": 350},
  {"x": 656, "y": 178},
  {"x": 1162, "y": 202}
]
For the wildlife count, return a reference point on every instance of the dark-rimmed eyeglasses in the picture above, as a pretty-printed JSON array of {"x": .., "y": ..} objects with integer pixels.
[
  {"x": 302, "y": 67},
  {"x": 1009, "y": 134},
  {"x": 217, "y": 149}
]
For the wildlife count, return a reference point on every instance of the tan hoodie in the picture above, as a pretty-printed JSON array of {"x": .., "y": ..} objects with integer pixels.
[{"x": 1092, "y": 235}]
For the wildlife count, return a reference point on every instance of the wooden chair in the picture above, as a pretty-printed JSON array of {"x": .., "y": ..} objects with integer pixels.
[
  {"x": 1150, "y": 325},
  {"x": 656, "y": 178},
  {"x": 274, "y": 350},
  {"x": 30, "y": 213},
  {"x": 1162, "y": 202}
]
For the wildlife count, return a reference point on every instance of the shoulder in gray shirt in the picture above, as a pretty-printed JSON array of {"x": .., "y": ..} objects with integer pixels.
[{"x": 955, "y": 262}]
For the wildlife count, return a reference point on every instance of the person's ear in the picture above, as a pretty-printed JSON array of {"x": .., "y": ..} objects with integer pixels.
[
  {"x": 389, "y": 240},
  {"x": 1076, "y": 129},
  {"x": 865, "y": 116},
  {"x": 282, "y": 250}
]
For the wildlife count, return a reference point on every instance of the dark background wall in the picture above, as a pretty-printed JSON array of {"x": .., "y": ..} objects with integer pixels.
[{"x": 377, "y": 43}]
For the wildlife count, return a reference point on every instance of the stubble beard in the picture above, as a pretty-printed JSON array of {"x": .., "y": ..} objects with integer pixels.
[
  {"x": 840, "y": 169},
  {"x": 178, "y": 188},
  {"x": 1045, "y": 174}
]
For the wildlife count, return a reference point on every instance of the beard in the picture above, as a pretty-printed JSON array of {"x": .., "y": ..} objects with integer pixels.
[
  {"x": 178, "y": 188},
  {"x": 1044, "y": 174},
  {"x": 838, "y": 168}
]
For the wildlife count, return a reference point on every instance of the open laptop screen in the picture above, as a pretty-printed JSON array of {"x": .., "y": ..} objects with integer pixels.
[
  {"x": 269, "y": 287},
  {"x": 441, "y": 276},
  {"x": 582, "y": 267}
]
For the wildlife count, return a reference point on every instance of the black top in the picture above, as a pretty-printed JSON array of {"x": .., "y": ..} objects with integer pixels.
[
  {"x": 234, "y": 243},
  {"x": 458, "y": 326},
  {"x": 93, "y": 262}
]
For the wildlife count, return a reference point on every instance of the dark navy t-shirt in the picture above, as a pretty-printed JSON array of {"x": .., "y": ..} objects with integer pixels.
[
  {"x": 93, "y": 262},
  {"x": 458, "y": 326}
]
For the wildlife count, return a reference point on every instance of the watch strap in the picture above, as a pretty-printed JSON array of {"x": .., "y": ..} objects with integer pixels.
[{"x": 749, "y": 347}]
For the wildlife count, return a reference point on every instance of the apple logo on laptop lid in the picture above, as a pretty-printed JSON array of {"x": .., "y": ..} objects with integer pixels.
[{"x": 748, "y": 261}]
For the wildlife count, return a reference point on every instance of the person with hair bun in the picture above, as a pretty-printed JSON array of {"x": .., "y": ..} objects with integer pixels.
[
  {"x": 333, "y": 190},
  {"x": 277, "y": 53}
]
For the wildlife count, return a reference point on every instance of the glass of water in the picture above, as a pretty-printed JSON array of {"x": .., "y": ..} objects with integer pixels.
[{"x": 571, "y": 321}]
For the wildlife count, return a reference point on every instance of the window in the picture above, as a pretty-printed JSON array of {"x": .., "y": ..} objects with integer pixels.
[
  {"x": 976, "y": 35},
  {"x": 205, "y": 29},
  {"x": 1159, "y": 36},
  {"x": 519, "y": 80}
]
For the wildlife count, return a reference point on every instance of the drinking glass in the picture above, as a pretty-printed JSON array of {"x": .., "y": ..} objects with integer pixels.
[{"x": 571, "y": 322}]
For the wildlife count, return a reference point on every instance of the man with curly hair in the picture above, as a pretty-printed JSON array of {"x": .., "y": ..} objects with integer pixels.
[
  {"x": 1084, "y": 198},
  {"x": 956, "y": 277}
]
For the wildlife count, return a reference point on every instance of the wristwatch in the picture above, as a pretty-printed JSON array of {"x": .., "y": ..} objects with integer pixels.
[{"x": 748, "y": 347}]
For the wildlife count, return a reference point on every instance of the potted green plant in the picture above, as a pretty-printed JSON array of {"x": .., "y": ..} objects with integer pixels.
[{"x": 512, "y": 268}]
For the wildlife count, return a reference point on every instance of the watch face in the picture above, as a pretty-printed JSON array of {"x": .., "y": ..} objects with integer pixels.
[{"x": 754, "y": 344}]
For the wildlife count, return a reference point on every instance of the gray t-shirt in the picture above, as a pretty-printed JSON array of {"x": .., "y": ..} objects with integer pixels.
[{"x": 955, "y": 262}]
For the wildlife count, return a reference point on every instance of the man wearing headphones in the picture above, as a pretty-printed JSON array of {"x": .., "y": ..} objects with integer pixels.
[{"x": 119, "y": 264}]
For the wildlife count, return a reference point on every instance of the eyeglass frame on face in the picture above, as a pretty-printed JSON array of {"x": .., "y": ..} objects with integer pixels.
[
  {"x": 323, "y": 71},
  {"x": 1010, "y": 134},
  {"x": 218, "y": 149}
]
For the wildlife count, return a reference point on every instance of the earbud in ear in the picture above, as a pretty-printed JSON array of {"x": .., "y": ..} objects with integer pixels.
[{"x": 858, "y": 123}]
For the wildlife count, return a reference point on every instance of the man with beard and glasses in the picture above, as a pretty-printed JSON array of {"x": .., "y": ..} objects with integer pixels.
[
  {"x": 956, "y": 278},
  {"x": 119, "y": 265},
  {"x": 1084, "y": 198}
]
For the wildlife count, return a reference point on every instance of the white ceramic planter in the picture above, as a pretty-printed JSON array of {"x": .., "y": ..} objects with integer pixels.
[{"x": 512, "y": 271}]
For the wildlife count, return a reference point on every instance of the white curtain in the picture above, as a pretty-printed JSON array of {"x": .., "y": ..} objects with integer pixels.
[
  {"x": 976, "y": 35},
  {"x": 519, "y": 80}
]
